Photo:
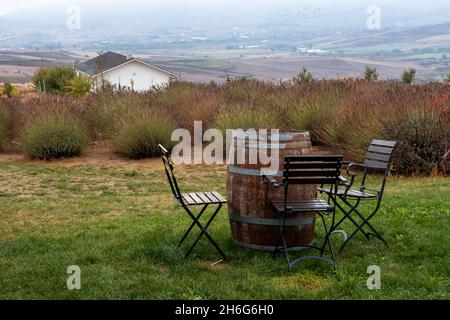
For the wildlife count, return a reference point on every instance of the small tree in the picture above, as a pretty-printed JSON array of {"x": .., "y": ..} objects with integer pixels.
[
  {"x": 53, "y": 79},
  {"x": 304, "y": 76},
  {"x": 408, "y": 76},
  {"x": 78, "y": 86},
  {"x": 9, "y": 90},
  {"x": 370, "y": 74}
]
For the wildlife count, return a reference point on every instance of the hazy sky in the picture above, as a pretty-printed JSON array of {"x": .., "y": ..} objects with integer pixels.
[
  {"x": 12, "y": 5},
  {"x": 340, "y": 8}
]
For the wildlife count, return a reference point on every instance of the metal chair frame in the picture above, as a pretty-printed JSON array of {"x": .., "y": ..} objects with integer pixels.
[
  {"x": 378, "y": 159},
  {"x": 184, "y": 200}
]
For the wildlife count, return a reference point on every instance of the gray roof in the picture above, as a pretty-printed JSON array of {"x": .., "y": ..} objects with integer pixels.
[{"x": 101, "y": 63}]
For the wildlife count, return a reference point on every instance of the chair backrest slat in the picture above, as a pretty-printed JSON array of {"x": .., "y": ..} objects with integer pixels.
[
  {"x": 384, "y": 143},
  {"x": 376, "y": 164},
  {"x": 379, "y": 154},
  {"x": 327, "y": 172},
  {"x": 382, "y": 150},
  {"x": 315, "y": 158},
  {"x": 312, "y": 169},
  {"x": 314, "y": 165},
  {"x": 312, "y": 180}
]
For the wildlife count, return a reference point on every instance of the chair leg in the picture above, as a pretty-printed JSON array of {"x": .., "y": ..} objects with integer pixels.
[
  {"x": 359, "y": 228},
  {"x": 379, "y": 237},
  {"x": 347, "y": 215},
  {"x": 275, "y": 251},
  {"x": 204, "y": 232},
  {"x": 192, "y": 226},
  {"x": 327, "y": 241},
  {"x": 374, "y": 232},
  {"x": 283, "y": 240}
]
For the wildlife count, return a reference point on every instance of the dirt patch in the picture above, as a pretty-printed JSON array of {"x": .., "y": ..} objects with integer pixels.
[
  {"x": 218, "y": 265},
  {"x": 163, "y": 270},
  {"x": 100, "y": 154},
  {"x": 96, "y": 154},
  {"x": 308, "y": 282}
]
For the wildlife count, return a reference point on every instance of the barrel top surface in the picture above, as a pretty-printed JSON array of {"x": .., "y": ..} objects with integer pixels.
[{"x": 283, "y": 135}]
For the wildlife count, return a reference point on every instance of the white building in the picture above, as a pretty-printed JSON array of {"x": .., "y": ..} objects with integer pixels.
[{"x": 123, "y": 72}]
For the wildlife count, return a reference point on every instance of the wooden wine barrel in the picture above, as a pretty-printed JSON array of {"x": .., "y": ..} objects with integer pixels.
[{"x": 253, "y": 223}]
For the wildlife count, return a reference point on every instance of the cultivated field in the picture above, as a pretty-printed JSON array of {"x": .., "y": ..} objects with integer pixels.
[{"x": 18, "y": 67}]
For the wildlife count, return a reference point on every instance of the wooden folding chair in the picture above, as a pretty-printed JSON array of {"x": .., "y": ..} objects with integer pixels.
[
  {"x": 306, "y": 170},
  {"x": 194, "y": 199},
  {"x": 378, "y": 160}
]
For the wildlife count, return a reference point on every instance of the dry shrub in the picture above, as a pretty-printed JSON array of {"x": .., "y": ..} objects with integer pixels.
[
  {"x": 246, "y": 117},
  {"x": 344, "y": 115},
  {"x": 423, "y": 133},
  {"x": 54, "y": 136},
  {"x": 51, "y": 126},
  {"x": 104, "y": 110},
  {"x": 137, "y": 135},
  {"x": 47, "y": 104},
  {"x": 206, "y": 110},
  {"x": 5, "y": 123}
]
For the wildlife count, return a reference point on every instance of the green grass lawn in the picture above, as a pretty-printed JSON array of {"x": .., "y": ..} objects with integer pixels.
[{"x": 120, "y": 225}]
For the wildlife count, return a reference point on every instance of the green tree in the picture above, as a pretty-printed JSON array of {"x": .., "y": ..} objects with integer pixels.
[
  {"x": 304, "y": 76},
  {"x": 9, "y": 90},
  {"x": 370, "y": 74},
  {"x": 78, "y": 86},
  {"x": 409, "y": 75},
  {"x": 53, "y": 79}
]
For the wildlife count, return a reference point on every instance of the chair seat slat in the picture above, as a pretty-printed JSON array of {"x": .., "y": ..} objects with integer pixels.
[
  {"x": 219, "y": 196},
  {"x": 197, "y": 199},
  {"x": 212, "y": 197},
  {"x": 188, "y": 199},
  {"x": 350, "y": 193},
  {"x": 302, "y": 206},
  {"x": 204, "y": 198}
]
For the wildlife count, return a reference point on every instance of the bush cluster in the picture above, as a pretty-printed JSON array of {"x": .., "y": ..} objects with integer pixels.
[
  {"x": 138, "y": 136},
  {"x": 9, "y": 90},
  {"x": 54, "y": 136},
  {"x": 61, "y": 80},
  {"x": 343, "y": 115}
]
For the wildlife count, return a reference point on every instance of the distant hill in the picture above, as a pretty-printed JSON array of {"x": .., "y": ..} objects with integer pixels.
[
  {"x": 437, "y": 35},
  {"x": 276, "y": 25}
]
